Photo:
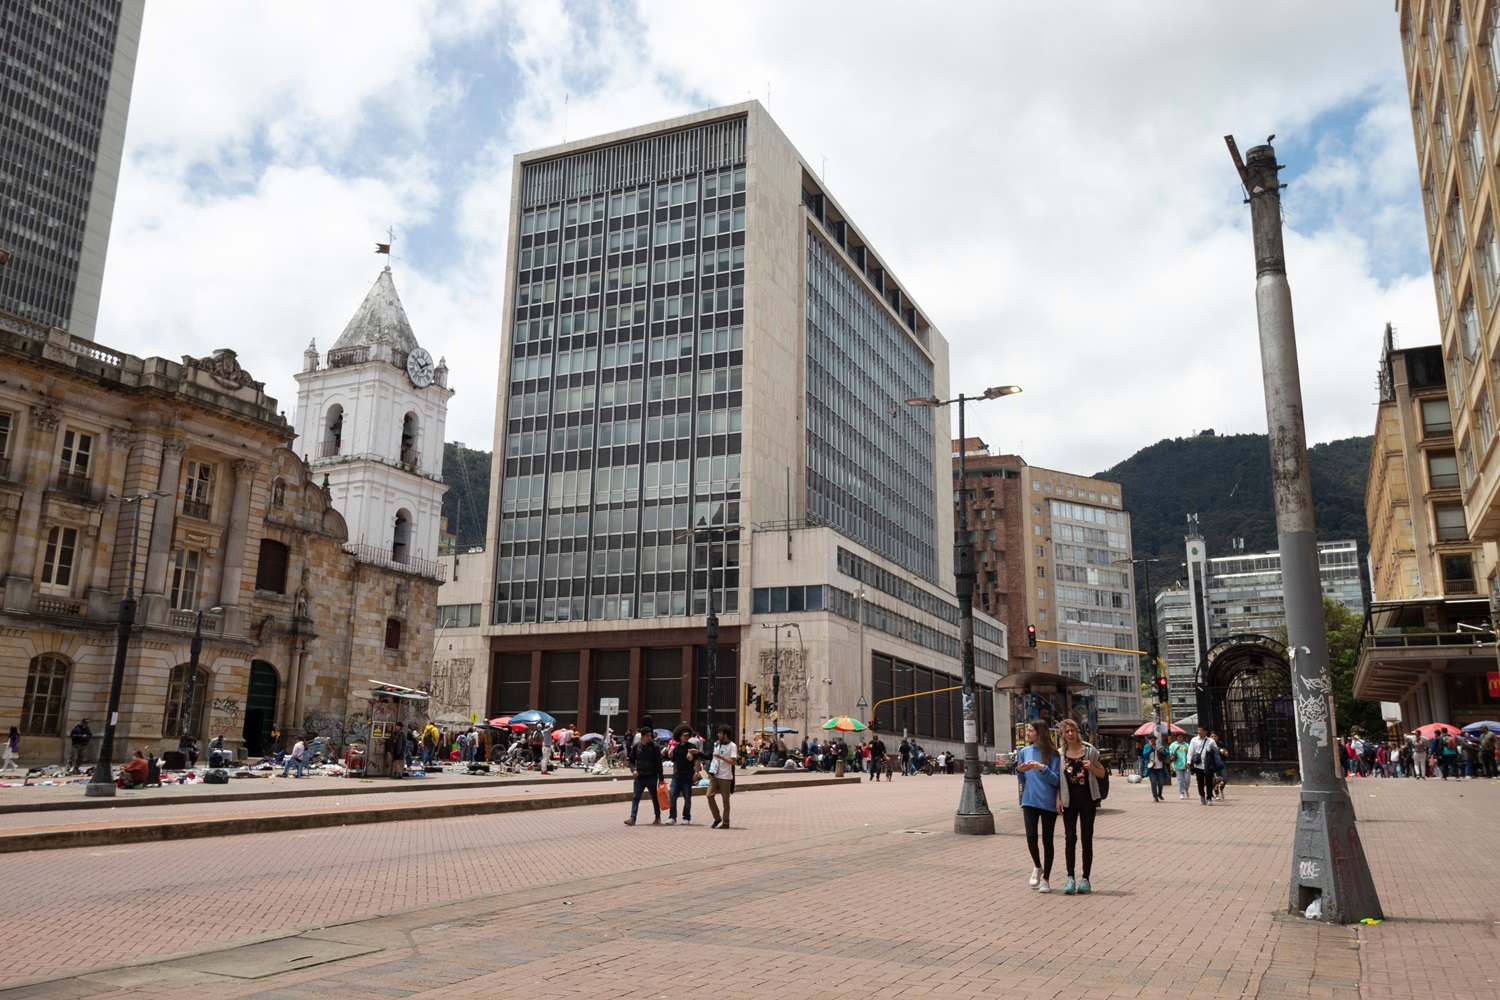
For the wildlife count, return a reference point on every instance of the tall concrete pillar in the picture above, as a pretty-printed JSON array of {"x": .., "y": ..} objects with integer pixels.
[
  {"x": 1437, "y": 691},
  {"x": 1328, "y": 862}
]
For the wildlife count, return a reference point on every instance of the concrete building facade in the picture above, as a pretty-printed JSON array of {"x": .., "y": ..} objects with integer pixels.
[
  {"x": 1053, "y": 550},
  {"x": 65, "y": 81},
  {"x": 702, "y": 411}
]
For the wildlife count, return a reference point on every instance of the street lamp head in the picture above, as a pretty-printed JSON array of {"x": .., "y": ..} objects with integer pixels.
[
  {"x": 996, "y": 391},
  {"x": 924, "y": 401}
]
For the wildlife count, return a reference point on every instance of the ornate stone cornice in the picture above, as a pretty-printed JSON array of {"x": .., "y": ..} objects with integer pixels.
[{"x": 225, "y": 368}]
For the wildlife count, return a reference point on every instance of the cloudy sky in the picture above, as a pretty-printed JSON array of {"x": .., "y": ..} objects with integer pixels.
[{"x": 1053, "y": 189}]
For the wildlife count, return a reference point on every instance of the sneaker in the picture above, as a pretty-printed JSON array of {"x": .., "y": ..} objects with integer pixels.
[
  {"x": 724, "y": 825},
  {"x": 1036, "y": 876},
  {"x": 686, "y": 821},
  {"x": 1084, "y": 888},
  {"x": 1042, "y": 886},
  {"x": 718, "y": 823},
  {"x": 630, "y": 821},
  {"x": 670, "y": 822},
  {"x": 1070, "y": 886}
]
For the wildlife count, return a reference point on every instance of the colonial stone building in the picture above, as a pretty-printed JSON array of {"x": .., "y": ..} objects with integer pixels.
[{"x": 232, "y": 532}]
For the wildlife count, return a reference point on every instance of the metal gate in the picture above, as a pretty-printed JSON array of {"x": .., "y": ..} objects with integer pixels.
[
  {"x": 1245, "y": 695},
  {"x": 260, "y": 708}
]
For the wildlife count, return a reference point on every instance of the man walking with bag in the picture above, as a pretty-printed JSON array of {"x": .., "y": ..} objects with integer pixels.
[{"x": 1202, "y": 752}]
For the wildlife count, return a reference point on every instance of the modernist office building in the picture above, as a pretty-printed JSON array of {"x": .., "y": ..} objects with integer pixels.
[
  {"x": 1053, "y": 550},
  {"x": 65, "y": 76},
  {"x": 702, "y": 412}
]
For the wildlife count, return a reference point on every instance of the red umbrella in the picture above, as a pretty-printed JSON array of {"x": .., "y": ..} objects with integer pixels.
[
  {"x": 1147, "y": 730},
  {"x": 1433, "y": 728}
]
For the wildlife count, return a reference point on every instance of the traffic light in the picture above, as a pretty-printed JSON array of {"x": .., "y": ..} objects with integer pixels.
[
  {"x": 1031, "y": 636},
  {"x": 752, "y": 697},
  {"x": 1161, "y": 690}
]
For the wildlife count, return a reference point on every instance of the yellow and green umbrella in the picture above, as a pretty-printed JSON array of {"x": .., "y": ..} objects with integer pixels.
[{"x": 844, "y": 724}]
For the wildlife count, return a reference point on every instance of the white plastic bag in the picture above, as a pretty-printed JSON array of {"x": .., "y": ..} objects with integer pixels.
[{"x": 1314, "y": 909}]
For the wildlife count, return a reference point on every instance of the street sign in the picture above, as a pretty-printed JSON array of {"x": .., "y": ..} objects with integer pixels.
[{"x": 609, "y": 706}]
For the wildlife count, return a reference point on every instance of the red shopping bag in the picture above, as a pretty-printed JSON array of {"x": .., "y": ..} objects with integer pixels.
[{"x": 663, "y": 799}]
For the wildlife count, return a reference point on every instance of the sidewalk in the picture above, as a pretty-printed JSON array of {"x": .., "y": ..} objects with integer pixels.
[
  {"x": 840, "y": 891},
  {"x": 61, "y": 816}
]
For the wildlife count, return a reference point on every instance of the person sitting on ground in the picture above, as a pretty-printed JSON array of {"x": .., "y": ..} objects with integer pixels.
[{"x": 134, "y": 772}]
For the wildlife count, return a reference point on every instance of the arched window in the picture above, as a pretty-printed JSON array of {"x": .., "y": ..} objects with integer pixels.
[
  {"x": 46, "y": 695},
  {"x": 409, "y": 438},
  {"x": 333, "y": 432},
  {"x": 401, "y": 537},
  {"x": 171, "y": 720}
]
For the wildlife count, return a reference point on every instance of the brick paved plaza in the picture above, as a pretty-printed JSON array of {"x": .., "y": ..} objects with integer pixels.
[{"x": 829, "y": 892}]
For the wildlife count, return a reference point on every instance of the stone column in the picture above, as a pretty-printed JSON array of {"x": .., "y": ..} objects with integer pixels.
[
  {"x": 234, "y": 540},
  {"x": 164, "y": 521},
  {"x": 35, "y": 458}
]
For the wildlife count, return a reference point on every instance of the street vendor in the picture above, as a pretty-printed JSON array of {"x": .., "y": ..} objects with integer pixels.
[{"x": 135, "y": 771}]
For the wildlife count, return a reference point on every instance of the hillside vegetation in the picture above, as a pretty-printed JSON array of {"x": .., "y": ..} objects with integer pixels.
[{"x": 1226, "y": 481}]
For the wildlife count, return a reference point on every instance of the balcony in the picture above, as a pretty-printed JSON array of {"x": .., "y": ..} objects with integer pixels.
[
  {"x": 346, "y": 356},
  {"x": 76, "y": 483},
  {"x": 196, "y": 508},
  {"x": 5, "y": 468},
  {"x": 411, "y": 459},
  {"x": 328, "y": 449},
  {"x": 64, "y": 607},
  {"x": 384, "y": 558}
]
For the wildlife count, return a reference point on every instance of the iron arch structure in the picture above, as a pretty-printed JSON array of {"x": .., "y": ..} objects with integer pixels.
[{"x": 1245, "y": 695}]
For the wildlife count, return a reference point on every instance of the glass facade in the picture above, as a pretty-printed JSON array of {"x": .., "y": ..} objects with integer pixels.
[
  {"x": 1093, "y": 602},
  {"x": 621, "y": 489},
  {"x": 55, "y": 63},
  {"x": 869, "y": 455}
]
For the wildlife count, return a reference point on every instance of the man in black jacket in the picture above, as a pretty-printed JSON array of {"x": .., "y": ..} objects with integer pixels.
[
  {"x": 646, "y": 769},
  {"x": 80, "y": 736}
]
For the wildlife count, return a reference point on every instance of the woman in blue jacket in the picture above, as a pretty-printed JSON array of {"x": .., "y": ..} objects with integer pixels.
[{"x": 1039, "y": 771}]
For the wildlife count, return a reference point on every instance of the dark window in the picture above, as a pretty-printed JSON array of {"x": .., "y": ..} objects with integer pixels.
[
  {"x": 46, "y": 690},
  {"x": 393, "y": 633},
  {"x": 270, "y": 573}
]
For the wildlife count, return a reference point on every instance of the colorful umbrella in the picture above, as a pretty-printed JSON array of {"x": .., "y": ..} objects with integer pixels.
[
  {"x": 844, "y": 724},
  {"x": 587, "y": 737},
  {"x": 531, "y": 717},
  {"x": 664, "y": 734},
  {"x": 500, "y": 721},
  {"x": 1432, "y": 728},
  {"x": 1475, "y": 728},
  {"x": 1146, "y": 730}
]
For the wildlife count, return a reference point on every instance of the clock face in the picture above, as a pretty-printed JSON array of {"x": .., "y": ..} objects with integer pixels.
[{"x": 419, "y": 368}]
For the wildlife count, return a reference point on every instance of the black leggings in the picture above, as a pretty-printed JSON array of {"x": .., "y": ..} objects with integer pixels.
[
  {"x": 1048, "y": 821},
  {"x": 1080, "y": 812}
]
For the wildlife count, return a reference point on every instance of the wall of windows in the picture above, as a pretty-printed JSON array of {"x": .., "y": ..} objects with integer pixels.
[
  {"x": 625, "y": 397},
  {"x": 869, "y": 455}
]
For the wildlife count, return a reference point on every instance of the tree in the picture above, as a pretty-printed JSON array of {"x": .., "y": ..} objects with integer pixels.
[{"x": 1344, "y": 629}]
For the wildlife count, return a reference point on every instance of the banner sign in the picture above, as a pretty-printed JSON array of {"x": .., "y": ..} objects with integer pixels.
[{"x": 1494, "y": 684}]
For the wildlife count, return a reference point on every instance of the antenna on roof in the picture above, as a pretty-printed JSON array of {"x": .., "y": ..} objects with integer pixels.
[{"x": 565, "y": 116}]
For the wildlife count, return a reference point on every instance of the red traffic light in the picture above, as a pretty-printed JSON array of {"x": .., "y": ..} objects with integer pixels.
[{"x": 1031, "y": 636}]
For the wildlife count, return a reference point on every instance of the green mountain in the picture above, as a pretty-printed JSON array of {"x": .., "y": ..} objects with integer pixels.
[
  {"x": 466, "y": 505},
  {"x": 1226, "y": 481}
]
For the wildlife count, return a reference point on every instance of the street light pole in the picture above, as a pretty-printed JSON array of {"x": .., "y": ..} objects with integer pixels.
[
  {"x": 102, "y": 784},
  {"x": 195, "y": 649},
  {"x": 974, "y": 816}
]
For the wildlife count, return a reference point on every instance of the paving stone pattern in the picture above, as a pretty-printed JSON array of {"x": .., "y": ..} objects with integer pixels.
[{"x": 847, "y": 891}]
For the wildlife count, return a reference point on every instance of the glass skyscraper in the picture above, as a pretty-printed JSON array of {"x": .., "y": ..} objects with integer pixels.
[{"x": 66, "y": 68}]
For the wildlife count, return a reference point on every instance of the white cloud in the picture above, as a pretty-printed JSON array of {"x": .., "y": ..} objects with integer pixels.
[{"x": 1054, "y": 192}]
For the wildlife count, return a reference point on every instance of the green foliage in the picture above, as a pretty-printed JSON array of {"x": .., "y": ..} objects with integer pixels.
[
  {"x": 466, "y": 505},
  {"x": 1226, "y": 481},
  {"x": 1343, "y": 656}
]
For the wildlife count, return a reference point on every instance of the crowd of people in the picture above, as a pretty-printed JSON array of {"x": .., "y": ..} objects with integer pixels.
[{"x": 1460, "y": 756}]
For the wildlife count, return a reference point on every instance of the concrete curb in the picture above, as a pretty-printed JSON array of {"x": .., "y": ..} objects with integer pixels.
[{"x": 55, "y": 838}]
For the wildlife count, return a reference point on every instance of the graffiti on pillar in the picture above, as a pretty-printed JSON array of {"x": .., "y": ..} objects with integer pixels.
[
  {"x": 1312, "y": 706},
  {"x": 451, "y": 680},
  {"x": 224, "y": 717}
]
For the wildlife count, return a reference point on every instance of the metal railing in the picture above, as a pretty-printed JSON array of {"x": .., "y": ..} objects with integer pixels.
[
  {"x": 345, "y": 356},
  {"x": 76, "y": 483},
  {"x": 196, "y": 508},
  {"x": 374, "y": 556}
]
